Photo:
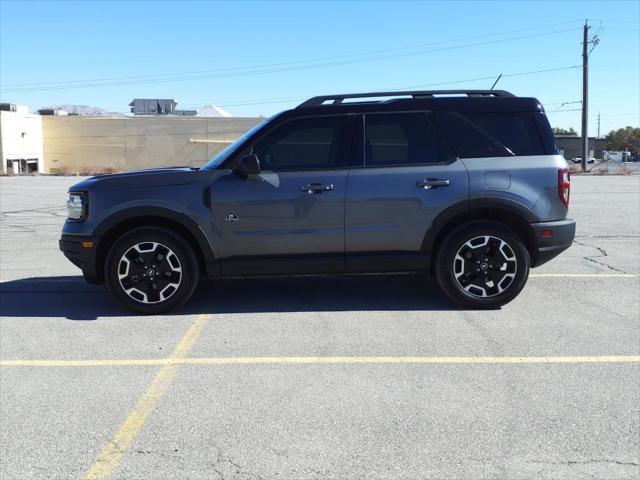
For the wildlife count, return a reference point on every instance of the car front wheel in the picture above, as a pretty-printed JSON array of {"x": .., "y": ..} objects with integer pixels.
[
  {"x": 151, "y": 270},
  {"x": 482, "y": 265}
]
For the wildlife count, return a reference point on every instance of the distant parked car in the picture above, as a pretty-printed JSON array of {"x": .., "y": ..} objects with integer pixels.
[{"x": 579, "y": 160}]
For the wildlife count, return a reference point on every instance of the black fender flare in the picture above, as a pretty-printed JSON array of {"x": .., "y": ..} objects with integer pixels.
[
  {"x": 465, "y": 210},
  {"x": 183, "y": 220}
]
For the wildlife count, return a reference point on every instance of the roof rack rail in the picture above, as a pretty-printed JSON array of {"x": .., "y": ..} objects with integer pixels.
[{"x": 327, "y": 100}]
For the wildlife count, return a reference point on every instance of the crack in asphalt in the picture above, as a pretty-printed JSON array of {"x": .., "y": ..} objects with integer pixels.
[
  {"x": 607, "y": 236},
  {"x": 587, "y": 462},
  {"x": 602, "y": 254},
  {"x": 55, "y": 211},
  {"x": 237, "y": 470},
  {"x": 173, "y": 454}
]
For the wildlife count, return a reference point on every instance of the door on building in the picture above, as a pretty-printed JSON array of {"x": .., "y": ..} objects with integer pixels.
[{"x": 32, "y": 165}]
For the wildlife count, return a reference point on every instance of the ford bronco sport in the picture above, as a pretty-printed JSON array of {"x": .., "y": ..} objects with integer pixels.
[{"x": 465, "y": 185}]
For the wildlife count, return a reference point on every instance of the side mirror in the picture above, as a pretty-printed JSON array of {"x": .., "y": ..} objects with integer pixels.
[{"x": 248, "y": 165}]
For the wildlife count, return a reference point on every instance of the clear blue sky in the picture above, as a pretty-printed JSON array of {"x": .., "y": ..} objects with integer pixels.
[{"x": 275, "y": 52}]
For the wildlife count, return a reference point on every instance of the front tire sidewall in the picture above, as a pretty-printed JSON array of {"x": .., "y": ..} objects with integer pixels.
[
  {"x": 454, "y": 241},
  {"x": 182, "y": 249}
]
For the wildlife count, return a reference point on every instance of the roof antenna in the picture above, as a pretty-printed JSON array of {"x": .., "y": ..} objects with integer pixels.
[{"x": 497, "y": 80}]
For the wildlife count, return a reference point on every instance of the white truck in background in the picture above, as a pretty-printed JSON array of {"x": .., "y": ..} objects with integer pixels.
[{"x": 617, "y": 156}]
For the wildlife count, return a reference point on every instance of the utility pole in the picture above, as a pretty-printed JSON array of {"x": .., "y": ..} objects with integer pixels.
[
  {"x": 585, "y": 96},
  {"x": 585, "y": 92}
]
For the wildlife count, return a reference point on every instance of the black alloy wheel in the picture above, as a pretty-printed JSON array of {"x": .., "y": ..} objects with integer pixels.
[
  {"x": 151, "y": 270},
  {"x": 482, "y": 264}
]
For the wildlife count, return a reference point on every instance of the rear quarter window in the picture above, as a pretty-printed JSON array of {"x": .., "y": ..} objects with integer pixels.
[
  {"x": 493, "y": 134},
  {"x": 396, "y": 139}
]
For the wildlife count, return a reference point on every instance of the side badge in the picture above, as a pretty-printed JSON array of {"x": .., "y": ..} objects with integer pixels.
[{"x": 232, "y": 217}]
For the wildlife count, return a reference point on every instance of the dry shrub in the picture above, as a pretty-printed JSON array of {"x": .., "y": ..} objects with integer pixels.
[
  {"x": 575, "y": 169},
  {"x": 64, "y": 170},
  {"x": 624, "y": 170},
  {"x": 109, "y": 170}
]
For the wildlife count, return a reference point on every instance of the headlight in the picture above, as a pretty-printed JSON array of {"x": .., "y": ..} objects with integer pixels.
[{"x": 77, "y": 206}]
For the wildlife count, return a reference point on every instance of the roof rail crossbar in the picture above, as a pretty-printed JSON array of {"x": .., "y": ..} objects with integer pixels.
[{"x": 325, "y": 100}]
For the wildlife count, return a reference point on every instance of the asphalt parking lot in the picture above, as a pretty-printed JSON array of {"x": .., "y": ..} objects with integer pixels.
[{"x": 375, "y": 377}]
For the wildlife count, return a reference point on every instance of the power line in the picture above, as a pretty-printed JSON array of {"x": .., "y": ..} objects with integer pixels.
[
  {"x": 261, "y": 70},
  {"x": 615, "y": 21},
  {"x": 563, "y": 111},
  {"x": 237, "y": 103},
  {"x": 333, "y": 57},
  {"x": 242, "y": 103},
  {"x": 370, "y": 52}
]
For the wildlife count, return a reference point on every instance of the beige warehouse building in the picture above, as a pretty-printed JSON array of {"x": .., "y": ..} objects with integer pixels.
[{"x": 84, "y": 144}]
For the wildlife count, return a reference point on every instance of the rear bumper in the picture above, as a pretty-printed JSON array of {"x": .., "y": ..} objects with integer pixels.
[
  {"x": 550, "y": 246},
  {"x": 76, "y": 248}
]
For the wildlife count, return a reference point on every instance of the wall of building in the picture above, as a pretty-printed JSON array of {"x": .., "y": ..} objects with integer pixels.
[
  {"x": 21, "y": 139},
  {"x": 81, "y": 144},
  {"x": 84, "y": 144},
  {"x": 571, "y": 146}
]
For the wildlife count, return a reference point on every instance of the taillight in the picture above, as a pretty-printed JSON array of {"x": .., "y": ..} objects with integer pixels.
[{"x": 564, "y": 185}]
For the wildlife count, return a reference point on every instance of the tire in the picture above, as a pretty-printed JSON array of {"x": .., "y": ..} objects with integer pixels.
[
  {"x": 151, "y": 252},
  {"x": 469, "y": 280}
]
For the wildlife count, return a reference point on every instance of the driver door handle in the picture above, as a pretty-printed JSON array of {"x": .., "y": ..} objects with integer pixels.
[
  {"x": 429, "y": 183},
  {"x": 316, "y": 188}
]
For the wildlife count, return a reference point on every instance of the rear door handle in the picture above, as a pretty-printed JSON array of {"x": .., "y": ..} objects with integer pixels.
[
  {"x": 316, "y": 188},
  {"x": 429, "y": 183}
]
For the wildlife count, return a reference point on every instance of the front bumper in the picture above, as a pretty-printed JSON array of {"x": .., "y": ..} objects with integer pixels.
[
  {"x": 552, "y": 238},
  {"x": 82, "y": 252}
]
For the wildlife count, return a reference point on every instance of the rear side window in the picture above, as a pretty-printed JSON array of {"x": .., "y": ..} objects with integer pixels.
[
  {"x": 493, "y": 134},
  {"x": 404, "y": 139}
]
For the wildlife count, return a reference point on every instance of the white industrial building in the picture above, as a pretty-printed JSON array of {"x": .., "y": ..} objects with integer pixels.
[{"x": 21, "y": 145}]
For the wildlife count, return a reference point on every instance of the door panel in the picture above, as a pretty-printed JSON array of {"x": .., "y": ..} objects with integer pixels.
[
  {"x": 388, "y": 215},
  {"x": 269, "y": 214},
  {"x": 409, "y": 176},
  {"x": 290, "y": 217}
]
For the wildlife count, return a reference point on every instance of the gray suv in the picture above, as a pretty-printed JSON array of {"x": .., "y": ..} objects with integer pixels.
[{"x": 467, "y": 186}]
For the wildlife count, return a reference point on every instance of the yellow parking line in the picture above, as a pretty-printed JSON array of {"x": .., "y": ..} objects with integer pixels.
[
  {"x": 408, "y": 360},
  {"x": 109, "y": 458},
  {"x": 175, "y": 360},
  {"x": 584, "y": 275}
]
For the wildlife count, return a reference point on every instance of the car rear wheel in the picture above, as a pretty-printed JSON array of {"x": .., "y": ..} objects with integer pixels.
[
  {"x": 483, "y": 265},
  {"x": 151, "y": 270}
]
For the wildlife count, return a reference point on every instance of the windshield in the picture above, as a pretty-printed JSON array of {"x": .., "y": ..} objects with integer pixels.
[{"x": 221, "y": 156}]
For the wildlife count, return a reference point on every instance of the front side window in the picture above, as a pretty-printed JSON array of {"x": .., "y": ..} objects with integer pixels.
[
  {"x": 305, "y": 144},
  {"x": 230, "y": 149},
  {"x": 404, "y": 139}
]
